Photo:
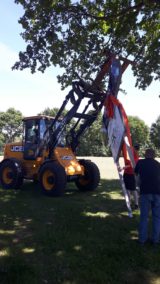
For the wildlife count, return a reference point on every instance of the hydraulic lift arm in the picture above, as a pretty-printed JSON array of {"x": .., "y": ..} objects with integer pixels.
[{"x": 77, "y": 97}]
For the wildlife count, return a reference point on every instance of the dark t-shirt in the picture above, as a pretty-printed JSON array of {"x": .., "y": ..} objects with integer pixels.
[{"x": 149, "y": 173}]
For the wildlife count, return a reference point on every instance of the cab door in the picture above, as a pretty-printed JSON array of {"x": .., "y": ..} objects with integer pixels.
[{"x": 31, "y": 139}]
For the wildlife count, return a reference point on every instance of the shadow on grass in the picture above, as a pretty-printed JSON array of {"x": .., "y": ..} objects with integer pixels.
[{"x": 78, "y": 238}]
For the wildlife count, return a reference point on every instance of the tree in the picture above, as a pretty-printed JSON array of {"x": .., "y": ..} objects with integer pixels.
[
  {"x": 139, "y": 130},
  {"x": 2, "y": 141},
  {"x": 49, "y": 112},
  {"x": 52, "y": 111},
  {"x": 10, "y": 124},
  {"x": 92, "y": 143},
  {"x": 155, "y": 133},
  {"x": 77, "y": 35}
]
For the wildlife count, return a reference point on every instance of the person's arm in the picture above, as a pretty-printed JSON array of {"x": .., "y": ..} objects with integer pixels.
[
  {"x": 137, "y": 177},
  {"x": 136, "y": 169}
]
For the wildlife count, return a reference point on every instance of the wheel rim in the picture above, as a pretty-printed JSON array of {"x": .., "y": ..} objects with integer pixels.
[
  {"x": 7, "y": 173},
  {"x": 48, "y": 180}
]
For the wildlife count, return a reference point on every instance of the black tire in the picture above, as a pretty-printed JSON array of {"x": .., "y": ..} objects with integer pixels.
[
  {"x": 11, "y": 174},
  {"x": 52, "y": 178},
  {"x": 91, "y": 177}
]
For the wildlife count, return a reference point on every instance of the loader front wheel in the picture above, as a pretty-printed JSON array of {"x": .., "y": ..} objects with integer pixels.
[
  {"x": 52, "y": 178},
  {"x": 11, "y": 174},
  {"x": 91, "y": 177}
]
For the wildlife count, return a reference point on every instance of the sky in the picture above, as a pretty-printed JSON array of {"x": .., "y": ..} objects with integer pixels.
[{"x": 32, "y": 93}]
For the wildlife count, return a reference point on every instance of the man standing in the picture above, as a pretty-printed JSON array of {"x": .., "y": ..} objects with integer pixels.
[{"x": 148, "y": 171}]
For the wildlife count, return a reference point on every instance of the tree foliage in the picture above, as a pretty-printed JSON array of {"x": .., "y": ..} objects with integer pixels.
[
  {"x": 77, "y": 35},
  {"x": 155, "y": 133},
  {"x": 2, "y": 142},
  {"x": 50, "y": 112},
  {"x": 139, "y": 130},
  {"x": 92, "y": 142},
  {"x": 10, "y": 125}
]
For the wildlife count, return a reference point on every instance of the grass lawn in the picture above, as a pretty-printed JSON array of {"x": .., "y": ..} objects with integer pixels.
[{"x": 81, "y": 238}]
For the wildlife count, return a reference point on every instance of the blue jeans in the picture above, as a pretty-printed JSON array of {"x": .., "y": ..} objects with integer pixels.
[{"x": 147, "y": 202}]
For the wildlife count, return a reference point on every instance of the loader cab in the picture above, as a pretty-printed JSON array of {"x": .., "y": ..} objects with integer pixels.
[
  {"x": 34, "y": 129},
  {"x": 31, "y": 128}
]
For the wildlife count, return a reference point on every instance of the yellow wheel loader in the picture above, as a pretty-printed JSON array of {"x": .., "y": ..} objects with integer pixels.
[{"x": 47, "y": 151}]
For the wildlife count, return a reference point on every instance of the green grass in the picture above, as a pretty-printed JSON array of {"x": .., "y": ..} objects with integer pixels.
[{"x": 81, "y": 238}]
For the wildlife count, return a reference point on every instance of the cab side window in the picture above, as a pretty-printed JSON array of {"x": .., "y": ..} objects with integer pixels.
[
  {"x": 42, "y": 128},
  {"x": 31, "y": 132}
]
